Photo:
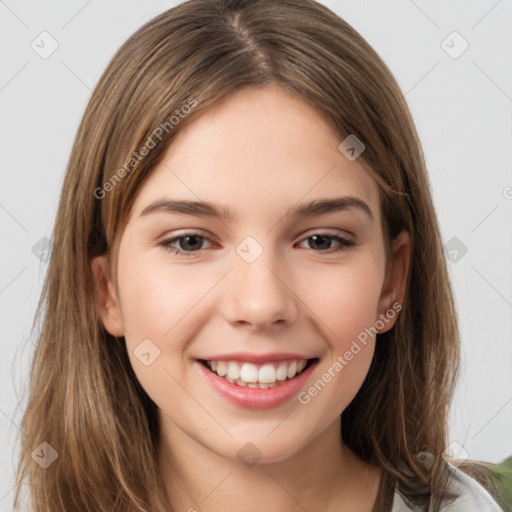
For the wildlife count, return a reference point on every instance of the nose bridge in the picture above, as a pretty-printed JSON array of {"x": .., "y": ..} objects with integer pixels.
[{"x": 257, "y": 290}]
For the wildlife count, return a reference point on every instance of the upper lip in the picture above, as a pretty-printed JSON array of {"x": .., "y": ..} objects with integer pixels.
[{"x": 257, "y": 358}]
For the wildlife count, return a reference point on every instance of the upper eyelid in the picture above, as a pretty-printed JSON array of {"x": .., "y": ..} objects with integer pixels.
[{"x": 307, "y": 234}]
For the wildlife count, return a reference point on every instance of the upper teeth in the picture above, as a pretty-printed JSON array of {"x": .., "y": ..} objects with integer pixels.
[{"x": 252, "y": 373}]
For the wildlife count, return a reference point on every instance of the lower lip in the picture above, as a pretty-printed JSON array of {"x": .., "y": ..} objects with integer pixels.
[{"x": 256, "y": 398}]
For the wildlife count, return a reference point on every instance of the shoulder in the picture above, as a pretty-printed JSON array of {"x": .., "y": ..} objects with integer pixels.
[{"x": 472, "y": 496}]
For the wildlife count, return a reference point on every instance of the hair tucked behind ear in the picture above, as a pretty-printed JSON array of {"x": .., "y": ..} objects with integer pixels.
[{"x": 84, "y": 399}]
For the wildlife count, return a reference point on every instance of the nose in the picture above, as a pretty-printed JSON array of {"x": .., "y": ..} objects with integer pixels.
[{"x": 259, "y": 294}]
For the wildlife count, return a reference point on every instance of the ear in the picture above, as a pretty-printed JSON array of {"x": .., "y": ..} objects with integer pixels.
[
  {"x": 106, "y": 297},
  {"x": 395, "y": 281}
]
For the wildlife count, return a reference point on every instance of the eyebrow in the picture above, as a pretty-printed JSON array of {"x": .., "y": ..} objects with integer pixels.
[{"x": 207, "y": 209}]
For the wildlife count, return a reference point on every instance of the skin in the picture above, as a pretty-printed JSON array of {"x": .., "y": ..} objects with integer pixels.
[{"x": 258, "y": 152}]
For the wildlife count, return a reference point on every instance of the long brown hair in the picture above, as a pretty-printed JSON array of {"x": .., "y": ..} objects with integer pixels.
[{"x": 84, "y": 399}]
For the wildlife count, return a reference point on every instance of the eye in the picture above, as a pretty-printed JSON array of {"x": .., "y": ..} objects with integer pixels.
[
  {"x": 324, "y": 241},
  {"x": 191, "y": 243}
]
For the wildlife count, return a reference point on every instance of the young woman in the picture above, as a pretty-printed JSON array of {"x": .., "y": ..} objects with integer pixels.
[{"x": 247, "y": 307}]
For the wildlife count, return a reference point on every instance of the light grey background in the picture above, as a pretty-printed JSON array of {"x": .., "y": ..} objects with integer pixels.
[{"x": 462, "y": 108}]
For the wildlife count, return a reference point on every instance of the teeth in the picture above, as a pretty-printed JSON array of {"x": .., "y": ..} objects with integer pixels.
[
  {"x": 221, "y": 368},
  {"x": 251, "y": 375},
  {"x": 233, "y": 370},
  {"x": 267, "y": 374},
  {"x": 292, "y": 370},
  {"x": 248, "y": 372},
  {"x": 282, "y": 371}
]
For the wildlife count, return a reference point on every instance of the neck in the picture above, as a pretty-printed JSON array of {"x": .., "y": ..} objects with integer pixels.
[{"x": 323, "y": 475}]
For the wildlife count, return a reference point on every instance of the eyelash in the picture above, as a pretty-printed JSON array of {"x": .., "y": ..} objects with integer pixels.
[{"x": 345, "y": 245}]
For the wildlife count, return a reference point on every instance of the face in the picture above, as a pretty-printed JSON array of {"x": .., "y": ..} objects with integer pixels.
[{"x": 283, "y": 305}]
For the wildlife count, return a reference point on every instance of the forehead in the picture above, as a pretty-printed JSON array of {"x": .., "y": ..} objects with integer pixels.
[{"x": 259, "y": 151}]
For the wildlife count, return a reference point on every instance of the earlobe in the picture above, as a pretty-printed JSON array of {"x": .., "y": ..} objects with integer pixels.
[
  {"x": 395, "y": 282},
  {"x": 106, "y": 297}
]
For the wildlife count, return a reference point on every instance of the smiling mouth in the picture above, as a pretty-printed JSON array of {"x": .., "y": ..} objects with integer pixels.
[{"x": 262, "y": 376}]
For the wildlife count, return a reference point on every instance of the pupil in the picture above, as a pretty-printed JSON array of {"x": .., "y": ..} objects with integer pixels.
[
  {"x": 320, "y": 237},
  {"x": 187, "y": 238}
]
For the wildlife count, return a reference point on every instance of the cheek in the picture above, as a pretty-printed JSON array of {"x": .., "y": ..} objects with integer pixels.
[
  {"x": 159, "y": 308},
  {"x": 346, "y": 299},
  {"x": 157, "y": 300},
  {"x": 167, "y": 304}
]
